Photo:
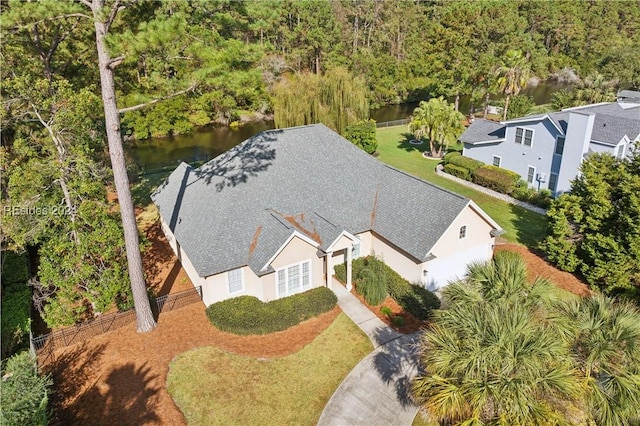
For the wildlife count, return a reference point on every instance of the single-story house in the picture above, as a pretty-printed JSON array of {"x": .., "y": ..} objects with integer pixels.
[
  {"x": 273, "y": 215},
  {"x": 546, "y": 150}
]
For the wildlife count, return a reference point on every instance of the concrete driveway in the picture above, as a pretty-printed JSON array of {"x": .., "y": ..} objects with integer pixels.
[{"x": 376, "y": 391}]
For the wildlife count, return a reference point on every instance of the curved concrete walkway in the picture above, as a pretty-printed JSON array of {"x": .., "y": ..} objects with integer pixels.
[{"x": 376, "y": 391}]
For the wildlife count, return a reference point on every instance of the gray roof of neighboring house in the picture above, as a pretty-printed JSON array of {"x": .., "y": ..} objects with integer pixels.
[
  {"x": 241, "y": 207},
  {"x": 613, "y": 120},
  {"x": 482, "y": 130}
]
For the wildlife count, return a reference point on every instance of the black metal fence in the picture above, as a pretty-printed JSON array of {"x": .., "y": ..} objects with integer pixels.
[
  {"x": 394, "y": 123},
  {"x": 45, "y": 344}
]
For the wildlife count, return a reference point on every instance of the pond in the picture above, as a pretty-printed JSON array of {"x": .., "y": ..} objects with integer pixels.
[{"x": 209, "y": 142}]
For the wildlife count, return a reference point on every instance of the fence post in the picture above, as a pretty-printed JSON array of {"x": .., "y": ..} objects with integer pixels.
[
  {"x": 64, "y": 338},
  {"x": 101, "y": 325}
]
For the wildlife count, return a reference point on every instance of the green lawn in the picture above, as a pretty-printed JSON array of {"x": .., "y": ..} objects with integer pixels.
[
  {"x": 521, "y": 225},
  {"x": 211, "y": 386}
]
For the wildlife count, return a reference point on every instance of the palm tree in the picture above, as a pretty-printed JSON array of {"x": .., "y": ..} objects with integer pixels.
[
  {"x": 512, "y": 76},
  {"x": 606, "y": 343},
  {"x": 489, "y": 358},
  {"x": 439, "y": 121}
]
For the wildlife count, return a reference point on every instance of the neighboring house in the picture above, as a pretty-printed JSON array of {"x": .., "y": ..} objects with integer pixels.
[
  {"x": 271, "y": 216},
  {"x": 546, "y": 150}
]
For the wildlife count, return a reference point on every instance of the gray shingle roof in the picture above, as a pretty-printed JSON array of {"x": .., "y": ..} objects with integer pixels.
[
  {"x": 242, "y": 206},
  {"x": 612, "y": 122},
  {"x": 482, "y": 130}
]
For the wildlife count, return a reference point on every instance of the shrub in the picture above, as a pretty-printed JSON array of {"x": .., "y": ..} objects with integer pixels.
[
  {"x": 447, "y": 158},
  {"x": 372, "y": 282},
  {"x": 386, "y": 311},
  {"x": 25, "y": 394},
  {"x": 341, "y": 272},
  {"x": 16, "y": 302},
  {"x": 495, "y": 178},
  {"x": 363, "y": 135},
  {"x": 457, "y": 171},
  {"x": 524, "y": 193},
  {"x": 465, "y": 162},
  {"x": 398, "y": 321},
  {"x": 249, "y": 315}
]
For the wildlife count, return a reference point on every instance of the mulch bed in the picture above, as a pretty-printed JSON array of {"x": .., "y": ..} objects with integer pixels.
[
  {"x": 539, "y": 267},
  {"x": 411, "y": 323},
  {"x": 120, "y": 377}
]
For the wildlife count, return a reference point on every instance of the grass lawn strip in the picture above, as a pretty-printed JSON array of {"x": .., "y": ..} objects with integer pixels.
[
  {"x": 211, "y": 386},
  {"x": 521, "y": 225}
]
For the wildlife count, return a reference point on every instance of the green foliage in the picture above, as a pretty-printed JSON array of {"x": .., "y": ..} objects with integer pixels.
[
  {"x": 414, "y": 299},
  {"x": 465, "y": 162},
  {"x": 520, "y": 106},
  {"x": 363, "y": 135},
  {"x": 447, "y": 158},
  {"x": 457, "y": 171},
  {"x": 595, "y": 228},
  {"x": 249, "y": 315},
  {"x": 512, "y": 76},
  {"x": 85, "y": 278},
  {"x": 496, "y": 178},
  {"x": 386, "y": 311},
  {"x": 16, "y": 303},
  {"x": 523, "y": 192},
  {"x": 493, "y": 356},
  {"x": 337, "y": 99},
  {"x": 439, "y": 122},
  {"x": 25, "y": 394},
  {"x": 371, "y": 281}
]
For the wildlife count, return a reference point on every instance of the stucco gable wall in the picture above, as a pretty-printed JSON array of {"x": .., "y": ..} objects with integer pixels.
[
  {"x": 296, "y": 251},
  {"x": 453, "y": 254},
  {"x": 478, "y": 231}
]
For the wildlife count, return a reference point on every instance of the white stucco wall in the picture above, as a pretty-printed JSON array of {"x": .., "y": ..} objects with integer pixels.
[{"x": 452, "y": 254}]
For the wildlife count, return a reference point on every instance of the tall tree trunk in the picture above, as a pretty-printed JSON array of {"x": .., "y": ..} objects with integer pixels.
[
  {"x": 456, "y": 102},
  {"x": 506, "y": 107},
  {"x": 144, "y": 316},
  {"x": 486, "y": 105}
]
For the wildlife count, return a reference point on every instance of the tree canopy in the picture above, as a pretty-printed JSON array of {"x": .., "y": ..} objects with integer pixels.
[
  {"x": 506, "y": 351},
  {"x": 595, "y": 228}
]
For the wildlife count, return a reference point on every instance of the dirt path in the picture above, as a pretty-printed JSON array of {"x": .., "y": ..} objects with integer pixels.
[
  {"x": 537, "y": 266},
  {"x": 119, "y": 378}
]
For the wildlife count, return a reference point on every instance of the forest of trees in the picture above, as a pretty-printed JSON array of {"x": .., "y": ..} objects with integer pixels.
[
  {"x": 169, "y": 66},
  {"x": 234, "y": 53}
]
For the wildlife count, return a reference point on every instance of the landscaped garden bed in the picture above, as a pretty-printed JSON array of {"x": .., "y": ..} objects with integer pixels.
[
  {"x": 400, "y": 304},
  {"x": 249, "y": 315}
]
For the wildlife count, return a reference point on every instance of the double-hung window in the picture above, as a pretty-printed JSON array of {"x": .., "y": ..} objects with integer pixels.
[
  {"x": 235, "y": 282},
  {"x": 462, "y": 234},
  {"x": 524, "y": 136},
  {"x": 497, "y": 160},
  {"x": 531, "y": 173},
  {"x": 293, "y": 279}
]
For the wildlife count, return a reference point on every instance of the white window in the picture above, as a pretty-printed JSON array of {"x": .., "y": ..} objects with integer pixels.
[
  {"x": 553, "y": 182},
  {"x": 355, "y": 251},
  {"x": 463, "y": 232},
  {"x": 524, "y": 136},
  {"x": 497, "y": 160},
  {"x": 293, "y": 279},
  {"x": 235, "y": 283},
  {"x": 531, "y": 173},
  {"x": 619, "y": 152},
  {"x": 559, "y": 145}
]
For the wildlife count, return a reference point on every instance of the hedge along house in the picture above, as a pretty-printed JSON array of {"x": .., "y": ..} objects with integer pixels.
[
  {"x": 546, "y": 150},
  {"x": 273, "y": 215}
]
